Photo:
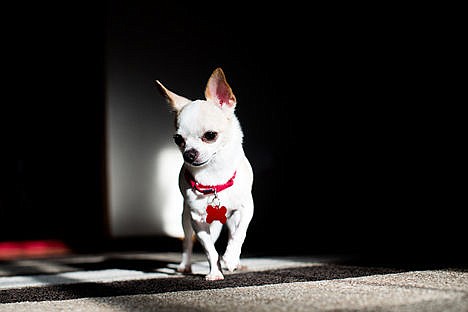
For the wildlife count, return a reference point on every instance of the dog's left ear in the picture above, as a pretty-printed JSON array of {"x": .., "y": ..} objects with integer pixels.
[
  {"x": 176, "y": 101},
  {"x": 218, "y": 90}
]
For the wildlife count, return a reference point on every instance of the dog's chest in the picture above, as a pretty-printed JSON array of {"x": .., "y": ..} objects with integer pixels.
[{"x": 229, "y": 198}]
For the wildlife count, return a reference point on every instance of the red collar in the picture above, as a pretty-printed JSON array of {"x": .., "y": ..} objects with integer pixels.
[{"x": 207, "y": 189}]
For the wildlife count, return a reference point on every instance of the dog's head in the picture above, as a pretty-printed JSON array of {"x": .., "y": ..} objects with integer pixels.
[{"x": 204, "y": 127}]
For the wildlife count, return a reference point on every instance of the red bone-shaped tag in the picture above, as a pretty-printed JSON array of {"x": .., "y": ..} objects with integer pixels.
[{"x": 216, "y": 213}]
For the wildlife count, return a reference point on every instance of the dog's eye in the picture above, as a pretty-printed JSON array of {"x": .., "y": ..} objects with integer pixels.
[
  {"x": 209, "y": 136},
  {"x": 179, "y": 140}
]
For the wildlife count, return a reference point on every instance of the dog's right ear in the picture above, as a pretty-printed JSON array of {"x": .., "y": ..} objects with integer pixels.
[{"x": 176, "y": 101}]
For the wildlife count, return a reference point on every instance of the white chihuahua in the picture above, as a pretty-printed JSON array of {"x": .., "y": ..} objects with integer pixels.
[{"x": 216, "y": 177}]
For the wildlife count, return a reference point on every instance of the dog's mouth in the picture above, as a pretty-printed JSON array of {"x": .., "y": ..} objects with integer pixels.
[{"x": 199, "y": 164}]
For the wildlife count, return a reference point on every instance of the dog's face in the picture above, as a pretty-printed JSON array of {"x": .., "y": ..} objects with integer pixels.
[{"x": 203, "y": 127}]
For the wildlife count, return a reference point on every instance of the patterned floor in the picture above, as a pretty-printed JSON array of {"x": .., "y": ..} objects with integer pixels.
[{"x": 149, "y": 282}]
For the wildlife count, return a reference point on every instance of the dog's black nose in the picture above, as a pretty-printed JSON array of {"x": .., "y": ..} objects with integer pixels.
[{"x": 190, "y": 155}]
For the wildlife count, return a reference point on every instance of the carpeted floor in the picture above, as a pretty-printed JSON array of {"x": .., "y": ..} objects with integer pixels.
[{"x": 148, "y": 282}]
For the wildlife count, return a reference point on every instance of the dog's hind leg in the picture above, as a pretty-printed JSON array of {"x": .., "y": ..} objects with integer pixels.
[
  {"x": 215, "y": 230},
  {"x": 185, "y": 265}
]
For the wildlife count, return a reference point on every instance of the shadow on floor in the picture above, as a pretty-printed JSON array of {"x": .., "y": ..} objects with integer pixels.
[{"x": 183, "y": 283}]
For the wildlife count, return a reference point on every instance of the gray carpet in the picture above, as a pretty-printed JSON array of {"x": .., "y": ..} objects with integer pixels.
[{"x": 148, "y": 282}]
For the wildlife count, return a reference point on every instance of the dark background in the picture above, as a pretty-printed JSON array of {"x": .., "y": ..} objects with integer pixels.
[{"x": 345, "y": 113}]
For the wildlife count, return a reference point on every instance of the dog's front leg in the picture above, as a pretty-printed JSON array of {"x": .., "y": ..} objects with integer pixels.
[
  {"x": 185, "y": 265},
  {"x": 202, "y": 231},
  {"x": 237, "y": 224}
]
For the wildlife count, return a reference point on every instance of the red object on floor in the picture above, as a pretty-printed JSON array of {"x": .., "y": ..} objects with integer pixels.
[{"x": 31, "y": 249}]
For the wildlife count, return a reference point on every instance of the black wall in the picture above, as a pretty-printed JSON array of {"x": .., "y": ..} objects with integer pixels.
[
  {"x": 340, "y": 109},
  {"x": 52, "y": 114}
]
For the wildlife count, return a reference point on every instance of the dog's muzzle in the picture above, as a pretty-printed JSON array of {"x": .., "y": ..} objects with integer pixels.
[{"x": 190, "y": 155}]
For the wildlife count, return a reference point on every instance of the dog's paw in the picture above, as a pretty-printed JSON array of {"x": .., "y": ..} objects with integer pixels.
[
  {"x": 185, "y": 269},
  {"x": 230, "y": 264},
  {"x": 214, "y": 276}
]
